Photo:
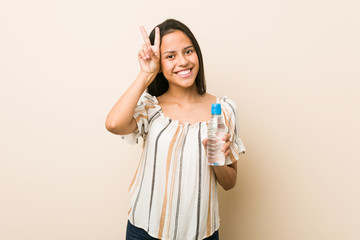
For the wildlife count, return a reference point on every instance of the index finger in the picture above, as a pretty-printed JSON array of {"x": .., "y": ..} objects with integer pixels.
[
  {"x": 145, "y": 36},
  {"x": 157, "y": 37}
]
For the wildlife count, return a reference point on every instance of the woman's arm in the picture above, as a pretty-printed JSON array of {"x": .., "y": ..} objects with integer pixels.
[
  {"x": 226, "y": 175},
  {"x": 120, "y": 118}
]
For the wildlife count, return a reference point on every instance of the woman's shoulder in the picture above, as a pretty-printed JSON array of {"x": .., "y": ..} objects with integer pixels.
[
  {"x": 147, "y": 103},
  {"x": 226, "y": 103},
  {"x": 147, "y": 99},
  {"x": 210, "y": 97},
  {"x": 223, "y": 100},
  {"x": 229, "y": 106}
]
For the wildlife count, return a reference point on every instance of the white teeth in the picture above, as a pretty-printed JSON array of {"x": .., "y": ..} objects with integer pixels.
[{"x": 184, "y": 72}]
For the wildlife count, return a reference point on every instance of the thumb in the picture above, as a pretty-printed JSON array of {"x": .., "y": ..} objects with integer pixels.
[{"x": 204, "y": 142}]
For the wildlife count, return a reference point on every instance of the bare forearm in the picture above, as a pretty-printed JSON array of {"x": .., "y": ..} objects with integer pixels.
[
  {"x": 226, "y": 176},
  {"x": 120, "y": 116}
]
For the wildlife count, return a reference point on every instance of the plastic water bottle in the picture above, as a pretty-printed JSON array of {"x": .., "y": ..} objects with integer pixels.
[{"x": 215, "y": 133}]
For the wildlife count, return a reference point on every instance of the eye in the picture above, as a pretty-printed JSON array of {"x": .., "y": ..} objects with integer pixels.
[
  {"x": 170, "y": 56},
  {"x": 190, "y": 51}
]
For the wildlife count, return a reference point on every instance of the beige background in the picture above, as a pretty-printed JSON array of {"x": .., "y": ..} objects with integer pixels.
[{"x": 292, "y": 67}]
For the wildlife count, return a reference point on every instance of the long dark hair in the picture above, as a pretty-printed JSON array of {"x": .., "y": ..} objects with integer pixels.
[{"x": 160, "y": 85}]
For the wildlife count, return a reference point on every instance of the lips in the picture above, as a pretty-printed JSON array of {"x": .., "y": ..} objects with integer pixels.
[{"x": 184, "y": 73}]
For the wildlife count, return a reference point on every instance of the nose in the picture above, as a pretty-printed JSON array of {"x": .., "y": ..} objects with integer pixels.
[{"x": 182, "y": 60}]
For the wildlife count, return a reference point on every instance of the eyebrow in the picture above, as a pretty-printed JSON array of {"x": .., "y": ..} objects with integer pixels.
[{"x": 191, "y": 46}]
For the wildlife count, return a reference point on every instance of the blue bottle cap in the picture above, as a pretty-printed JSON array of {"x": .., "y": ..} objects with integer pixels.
[{"x": 216, "y": 109}]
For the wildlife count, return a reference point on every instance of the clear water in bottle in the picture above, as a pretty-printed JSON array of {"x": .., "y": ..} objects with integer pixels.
[{"x": 216, "y": 131}]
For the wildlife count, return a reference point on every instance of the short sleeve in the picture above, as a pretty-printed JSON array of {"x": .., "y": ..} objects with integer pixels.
[
  {"x": 229, "y": 110},
  {"x": 144, "y": 111}
]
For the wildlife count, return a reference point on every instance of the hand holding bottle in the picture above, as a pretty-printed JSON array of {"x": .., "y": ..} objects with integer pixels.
[{"x": 226, "y": 147}]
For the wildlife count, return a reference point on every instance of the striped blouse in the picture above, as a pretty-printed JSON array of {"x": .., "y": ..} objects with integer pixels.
[{"x": 173, "y": 192}]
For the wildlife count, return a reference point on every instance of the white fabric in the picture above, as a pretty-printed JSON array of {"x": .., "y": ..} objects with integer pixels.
[{"x": 173, "y": 193}]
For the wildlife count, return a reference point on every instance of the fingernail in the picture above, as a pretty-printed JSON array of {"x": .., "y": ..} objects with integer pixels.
[{"x": 147, "y": 55}]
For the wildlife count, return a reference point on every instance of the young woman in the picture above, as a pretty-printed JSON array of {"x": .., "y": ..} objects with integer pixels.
[{"x": 173, "y": 193}]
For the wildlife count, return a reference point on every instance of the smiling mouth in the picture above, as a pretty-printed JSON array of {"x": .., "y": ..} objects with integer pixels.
[{"x": 184, "y": 73}]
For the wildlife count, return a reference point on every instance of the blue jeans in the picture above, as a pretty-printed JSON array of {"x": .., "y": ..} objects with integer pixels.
[{"x": 135, "y": 233}]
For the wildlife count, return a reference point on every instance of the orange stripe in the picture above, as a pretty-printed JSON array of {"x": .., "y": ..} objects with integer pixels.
[
  {"x": 147, "y": 107},
  {"x": 136, "y": 173},
  {"x": 231, "y": 129},
  {"x": 163, "y": 211},
  {"x": 231, "y": 125},
  {"x": 232, "y": 158},
  {"x": 173, "y": 179},
  {"x": 141, "y": 159},
  {"x": 140, "y": 116},
  {"x": 234, "y": 150},
  {"x": 136, "y": 176},
  {"x": 225, "y": 119}
]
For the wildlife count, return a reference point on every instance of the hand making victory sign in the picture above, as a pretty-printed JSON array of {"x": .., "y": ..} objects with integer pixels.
[{"x": 149, "y": 56}]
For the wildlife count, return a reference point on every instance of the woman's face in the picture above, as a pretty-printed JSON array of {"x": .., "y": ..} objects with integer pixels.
[{"x": 179, "y": 61}]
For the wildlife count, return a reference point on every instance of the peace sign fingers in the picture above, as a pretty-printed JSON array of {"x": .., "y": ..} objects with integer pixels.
[
  {"x": 145, "y": 36},
  {"x": 157, "y": 38},
  {"x": 149, "y": 56}
]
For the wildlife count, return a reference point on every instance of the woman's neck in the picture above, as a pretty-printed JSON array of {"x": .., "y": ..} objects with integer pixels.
[{"x": 181, "y": 95}]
